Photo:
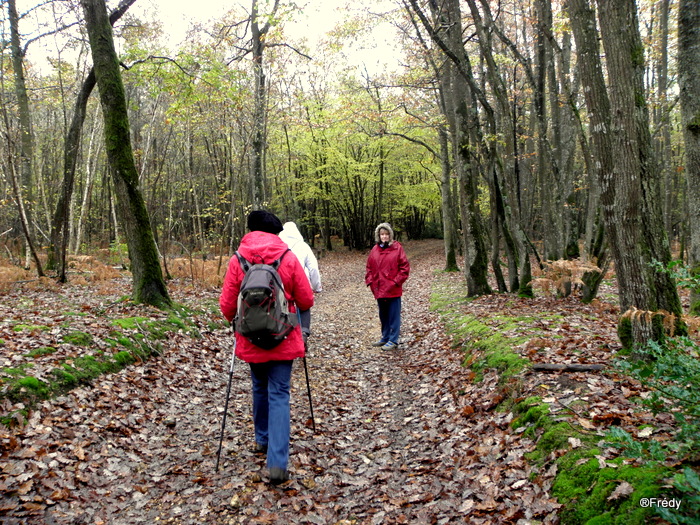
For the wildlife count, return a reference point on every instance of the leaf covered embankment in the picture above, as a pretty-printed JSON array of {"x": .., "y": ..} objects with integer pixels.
[
  {"x": 56, "y": 338},
  {"x": 596, "y": 443}
]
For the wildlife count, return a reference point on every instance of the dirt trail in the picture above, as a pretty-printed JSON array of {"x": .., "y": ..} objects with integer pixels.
[{"x": 391, "y": 444}]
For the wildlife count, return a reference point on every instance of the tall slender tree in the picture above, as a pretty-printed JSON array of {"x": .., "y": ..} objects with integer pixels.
[
  {"x": 149, "y": 285},
  {"x": 461, "y": 104},
  {"x": 257, "y": 162},
  {"x": 22, "y": 184},
  {"x": 689, "y": 83},
  {"x": 628, "y": 176},
  {"x": 60, "y": 226}
]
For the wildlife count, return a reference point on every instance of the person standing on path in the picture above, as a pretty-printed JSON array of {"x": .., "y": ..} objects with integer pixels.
[
  {"x": 292, "y": 236},
  {"x": 387, "y": 270},
  {"x": 270, "y": 370}
]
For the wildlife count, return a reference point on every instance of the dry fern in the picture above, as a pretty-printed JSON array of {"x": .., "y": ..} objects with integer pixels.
[
  {"x": 565, "y": 275},
  {"x": 544, "y": 285},
  {"x": 208, "y": 272},
  {"x": 646, "y": 317},
  {"x": 693, "y": 324}
]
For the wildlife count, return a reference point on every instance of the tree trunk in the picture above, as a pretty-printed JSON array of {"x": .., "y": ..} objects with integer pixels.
[
  {"x": 505, "y": 201},
  {"x": 24, "y": 188},
  {"x": 24, "y": 221},
  {"x": 149, "y": 285},
  {"x": 76, "y": 235},
  {"x": 61, "y": 217},
  {"x": 689, "y": 83},
  {"x": 447, "y": 204},
  {"x": 464, "y": 121},
  {"x": 639, "y": 179},
  {"x": 257, "y": 185},
  {"x": 257, "y": 165},
  {"x": 462, "y": 116},
  {"x": 592, "y": 279},
  {"x": 59, "y": 232},
  {"x": 629, "y": 183},
  {"x": 662, "y": 120},
  {"x": 547, "y": 161}
]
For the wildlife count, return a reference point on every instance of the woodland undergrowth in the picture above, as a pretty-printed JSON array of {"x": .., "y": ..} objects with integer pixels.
[{"x": 607, "y": 458}]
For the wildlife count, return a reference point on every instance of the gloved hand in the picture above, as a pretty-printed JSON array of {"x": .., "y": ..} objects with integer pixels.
[{"x": 305, "y": 335}]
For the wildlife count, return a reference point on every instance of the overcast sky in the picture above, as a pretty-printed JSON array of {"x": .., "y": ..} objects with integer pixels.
[
  {"x": 178, "y": 15},
  {"x": 316, "y": 18}
]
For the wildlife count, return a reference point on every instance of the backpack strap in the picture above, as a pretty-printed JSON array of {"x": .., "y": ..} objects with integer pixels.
[{"x": 245, "y": 265}]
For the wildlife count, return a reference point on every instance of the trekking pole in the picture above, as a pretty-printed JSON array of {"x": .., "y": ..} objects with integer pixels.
[
  {"x": 308, "y": 390},
  {"x": 228, "y": 391}
]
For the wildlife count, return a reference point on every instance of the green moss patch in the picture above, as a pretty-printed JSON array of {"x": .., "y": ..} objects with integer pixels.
[
  {"x": 124, "y": 358},
  {"x": 25, "y": 387},
  {"x": 177, "y": 320},
  {"x": 78, "y": 338},
  {"x": 531, "y": 410},
  {"x": 38, "y": 352},
  {"x": 487, "y": 341},
  {"x": 30, "y": 328},
  {"x": 18, "y": 386},
  {"x": 587, "y": 490},
  {"x": 130, "y": 323},
  {"x": 132, "y": 339},
  {"x": 76, "y": 314},
  {"x": 533, "y": 419},
  {"x": 592, "y": 490}
]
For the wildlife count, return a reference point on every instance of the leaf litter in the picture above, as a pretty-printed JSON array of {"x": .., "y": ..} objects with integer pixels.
[{"x": 405, "y": 436}]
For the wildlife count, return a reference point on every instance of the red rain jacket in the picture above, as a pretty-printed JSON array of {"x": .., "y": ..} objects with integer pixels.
[
  {"x": 387, "y": 270},
  {"x": 259, "y": 247}
]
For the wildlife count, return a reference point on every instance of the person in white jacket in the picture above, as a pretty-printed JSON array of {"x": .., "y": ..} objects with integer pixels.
[{"x": 292, "y": 236}]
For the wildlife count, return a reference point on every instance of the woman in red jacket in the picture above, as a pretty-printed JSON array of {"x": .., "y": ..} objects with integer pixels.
[
  {"x": 270, "y": 370},
  {"x": 387, "y": 270}
]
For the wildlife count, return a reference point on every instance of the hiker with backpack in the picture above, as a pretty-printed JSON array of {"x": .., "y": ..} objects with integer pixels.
[
  {"x": 292, "y": 236},
  {"x": 263, "y": 258},
  {"x": 387, "y": 269}
]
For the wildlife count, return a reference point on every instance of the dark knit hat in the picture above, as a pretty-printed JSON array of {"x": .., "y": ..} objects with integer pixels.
[{"x": 264, "y": 221}]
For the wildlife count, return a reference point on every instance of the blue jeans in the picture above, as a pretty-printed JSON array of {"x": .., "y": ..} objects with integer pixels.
[
  {"x": 271, "y": 384},
  {"x": 390, "y": 319}
]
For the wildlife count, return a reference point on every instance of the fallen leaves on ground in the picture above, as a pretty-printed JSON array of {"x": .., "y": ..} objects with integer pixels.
[{"x": 405, "y": 436}]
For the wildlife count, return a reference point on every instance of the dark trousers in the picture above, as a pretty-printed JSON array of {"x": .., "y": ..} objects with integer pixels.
[
  {"x": 305, "y": 320},
  {"x": 390, "y": 319}
]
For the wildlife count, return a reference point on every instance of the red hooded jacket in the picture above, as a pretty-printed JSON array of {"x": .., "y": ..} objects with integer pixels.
[
  {"x": 258, "y": 247},
  {"x": 387, "y": 270}
]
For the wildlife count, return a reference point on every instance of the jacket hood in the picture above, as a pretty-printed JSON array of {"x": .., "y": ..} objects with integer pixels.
[
  {"x": 262, "y": 247},
  {"x": 290, "y": 233},
  {"x": 384, "y": 226}
]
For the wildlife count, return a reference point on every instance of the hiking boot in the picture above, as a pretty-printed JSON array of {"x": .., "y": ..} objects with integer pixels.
[
  {"x": 389, "y": 346},
  {"x": 379, "y": 343},
  {"x": 259, "y": 449},
  {"x": 278, "y": 475}
]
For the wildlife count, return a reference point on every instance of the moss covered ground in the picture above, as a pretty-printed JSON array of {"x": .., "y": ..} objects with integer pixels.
[{"x": 594, "y": 482}]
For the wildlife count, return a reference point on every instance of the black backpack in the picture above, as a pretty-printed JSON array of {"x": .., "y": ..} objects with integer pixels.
[{"x": 263, "y": 313}]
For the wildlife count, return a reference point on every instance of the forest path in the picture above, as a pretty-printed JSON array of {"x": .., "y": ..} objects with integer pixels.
[{"x": 397, "y": 437}]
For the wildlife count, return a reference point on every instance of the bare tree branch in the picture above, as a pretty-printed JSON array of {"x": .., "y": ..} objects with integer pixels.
[
  {"x": 292, "y": 48},
  {"x": 123, "y": 6}
]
